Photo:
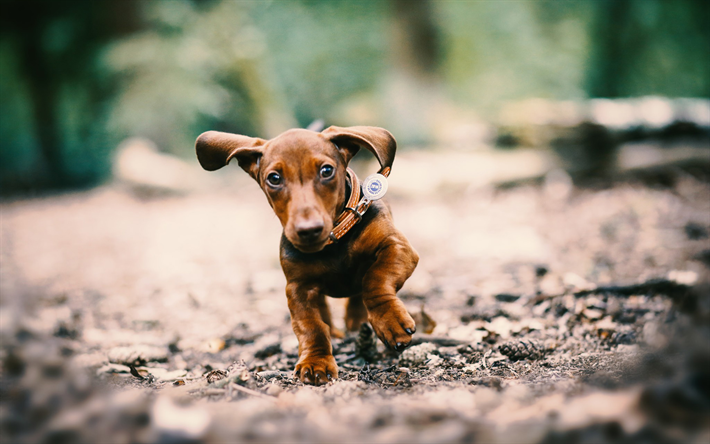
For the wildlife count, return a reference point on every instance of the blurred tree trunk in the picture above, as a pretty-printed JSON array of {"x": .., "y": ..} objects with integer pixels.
[
  {"x": 612, "y": 36},
  {"x": 57, "y": 43},
  {"x": 413, "y": 87},
  {"x": 43, "y": 86},
  {"x": 641, "y": 47},
  {"x": 415, "y": 41}
]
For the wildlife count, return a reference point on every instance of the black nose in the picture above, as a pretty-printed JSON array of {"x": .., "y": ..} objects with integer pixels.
[{"x": 309, "y": 231}]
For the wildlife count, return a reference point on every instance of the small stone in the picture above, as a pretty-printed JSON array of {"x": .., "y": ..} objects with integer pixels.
[
  {"x": 593, "y": 314},
  {"x": 137, "y": 354},
  {"x": 274, "y": 390},
  {"x": 166, "y": 375},
  {"x": 507, "y": 297},
  {"x": 623, "y": 337},
  {"x": 416, "y": 356},
  {"x": 113, "y": 369},
  {"x": 593, "y": 302},
  {"x": 433, "y": 360},
  {"x": 577, "y": 283},
  {"x": 269, "y": 374},
  {"x": 239, "y": 374},
  {"x": 188, "y": 423},
  {"x": 215, "y": 375},
  {"x": 213, "y": 345},
  {"x": 688, "y": 278},
  {"x": 613, "y": 307},
  {"x": 501, "y": 326}
]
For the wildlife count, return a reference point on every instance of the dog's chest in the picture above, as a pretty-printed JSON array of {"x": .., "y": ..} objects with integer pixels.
[{"x": 338, "y": 272}]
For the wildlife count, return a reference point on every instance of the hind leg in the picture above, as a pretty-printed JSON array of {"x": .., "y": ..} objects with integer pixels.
[{"x": 355, "y": 313}]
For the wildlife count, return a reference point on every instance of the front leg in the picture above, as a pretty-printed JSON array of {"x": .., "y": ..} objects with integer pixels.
[
  {"x": 389, "y": 318},
  {"x": 316, "y": 364}
]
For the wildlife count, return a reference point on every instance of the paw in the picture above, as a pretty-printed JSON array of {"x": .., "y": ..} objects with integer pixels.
[
  {"x": 316, "y": 370},
  {"x": 393, "y": 325}
]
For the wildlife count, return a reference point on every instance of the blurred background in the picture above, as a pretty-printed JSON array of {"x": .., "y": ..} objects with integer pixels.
[
  {"x": 553, "y": 172},
  {"x": 79, "y": 77}
]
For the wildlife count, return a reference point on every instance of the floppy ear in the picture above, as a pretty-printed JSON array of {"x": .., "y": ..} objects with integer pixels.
[
  {"x": 215, "y": 149},
  {"x": 378, "y": 140}
]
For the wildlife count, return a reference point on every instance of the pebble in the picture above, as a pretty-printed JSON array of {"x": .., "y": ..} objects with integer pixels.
[
  {"x": 188, "y": 423},
  {"x": 113, "y": 369},
  {"x": 134, "y": 354},
  {"x": 593, "y": 314},
  {"x": 274, "y": 390},
  {"x": 683, "y": 277},
  {"x": 576, "y": 283},
  {"x": 417, "y": 355},
  {"x": 507, "y": 297},
  {"x": 213, "y": 345},
  {"x": 270, "y": 374}
]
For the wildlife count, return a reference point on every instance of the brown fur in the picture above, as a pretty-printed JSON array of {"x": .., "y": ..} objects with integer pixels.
[{"x": 368, "y": 265}]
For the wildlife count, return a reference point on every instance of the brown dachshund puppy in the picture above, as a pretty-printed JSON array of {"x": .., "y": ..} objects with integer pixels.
[{"x": 333, "y": 243}]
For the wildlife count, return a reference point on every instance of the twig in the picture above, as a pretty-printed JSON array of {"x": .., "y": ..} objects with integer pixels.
[
  {"x": 443, "y": 341},
  {"x": 654, "y": 286},
  {"x": 251, "y": 392}
]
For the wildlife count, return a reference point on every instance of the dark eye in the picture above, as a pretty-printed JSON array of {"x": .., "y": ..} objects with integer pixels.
[
  {"x": 274, "y": 179},
  {"x": 327, "y": 171}
]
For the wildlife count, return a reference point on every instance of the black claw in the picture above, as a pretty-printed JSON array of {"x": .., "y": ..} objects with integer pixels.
[
  {"x": 410, "y": 331},
  {"x": 401, "y": 346},
  {"x": 330, "y": 377}
]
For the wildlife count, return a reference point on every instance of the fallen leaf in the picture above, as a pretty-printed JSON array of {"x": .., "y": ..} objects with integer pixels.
[{"x": 425, "y": 323}]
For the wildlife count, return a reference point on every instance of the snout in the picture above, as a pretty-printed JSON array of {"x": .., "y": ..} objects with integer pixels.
[
  {"x": 309, "y": 231},
  {"x": 308, "y": 234}
]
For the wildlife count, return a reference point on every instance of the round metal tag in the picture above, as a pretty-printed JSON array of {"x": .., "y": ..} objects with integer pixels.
[{"x": 374, "y": 187}]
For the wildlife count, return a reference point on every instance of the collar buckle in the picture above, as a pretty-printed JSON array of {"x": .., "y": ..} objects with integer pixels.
[{"x": 354, "y": 209}]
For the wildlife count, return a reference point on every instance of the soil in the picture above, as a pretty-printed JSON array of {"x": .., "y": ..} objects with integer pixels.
[{"x": 553, "y": 313}]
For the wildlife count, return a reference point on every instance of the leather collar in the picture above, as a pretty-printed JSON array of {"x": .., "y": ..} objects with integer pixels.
[{"x": 355, "y": 208}]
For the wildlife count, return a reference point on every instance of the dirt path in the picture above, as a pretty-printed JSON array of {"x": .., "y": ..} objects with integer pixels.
[{"x": 175, "y": 307}]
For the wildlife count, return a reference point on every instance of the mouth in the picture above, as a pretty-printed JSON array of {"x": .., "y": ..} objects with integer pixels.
[{"x": 310, "y": 247}]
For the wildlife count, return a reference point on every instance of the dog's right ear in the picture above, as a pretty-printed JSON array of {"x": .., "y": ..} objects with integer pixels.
[{"x": 215, "y": 149}]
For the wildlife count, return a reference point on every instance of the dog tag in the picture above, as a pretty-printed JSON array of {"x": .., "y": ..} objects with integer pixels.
[{"x": 374, "y": 187}]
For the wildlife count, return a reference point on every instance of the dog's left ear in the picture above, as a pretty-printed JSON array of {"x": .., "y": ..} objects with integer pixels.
[{"x": 377, "y": 140}]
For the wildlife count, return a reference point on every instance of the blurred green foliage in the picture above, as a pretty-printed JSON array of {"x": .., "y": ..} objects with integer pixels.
[
  {"x": 80, "y": 75},
  {"x": 253, "y": 67}
]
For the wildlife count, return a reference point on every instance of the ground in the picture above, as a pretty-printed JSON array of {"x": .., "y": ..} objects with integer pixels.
[{"x": 556, "y": 313}]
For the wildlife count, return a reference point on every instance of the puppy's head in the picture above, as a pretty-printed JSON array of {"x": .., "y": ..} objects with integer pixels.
[{"x": 302, "y": 172}]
